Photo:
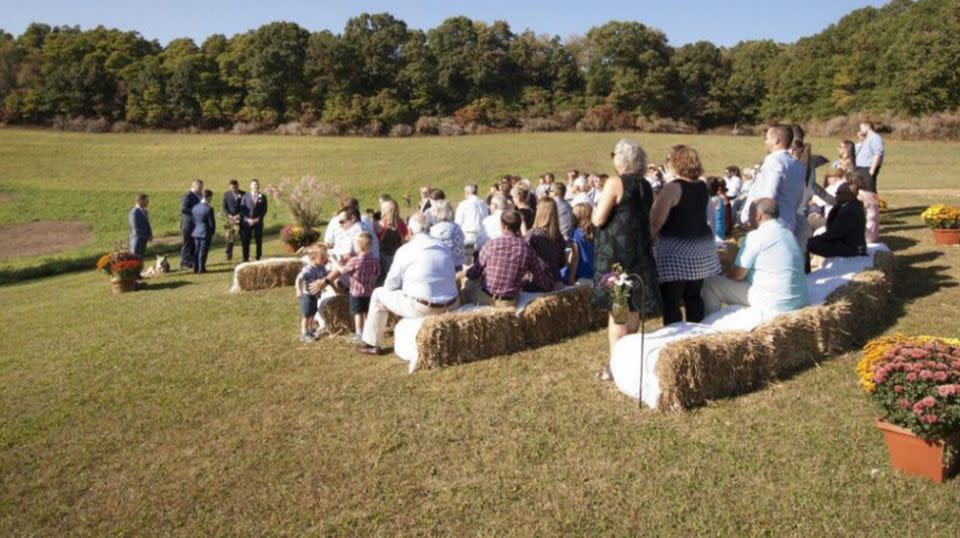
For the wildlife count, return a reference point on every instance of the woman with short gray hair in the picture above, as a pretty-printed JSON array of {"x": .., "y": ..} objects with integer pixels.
[
  {"x": 622, "y": 218},
  {"x": 447, "y": 231}
]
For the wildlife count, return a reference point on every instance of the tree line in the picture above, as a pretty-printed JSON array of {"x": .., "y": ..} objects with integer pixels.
[{"x": 903, "y": 58}]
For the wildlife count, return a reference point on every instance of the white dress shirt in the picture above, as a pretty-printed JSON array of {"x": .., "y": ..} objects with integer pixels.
[
  {"x": 423, "y": 269},
  {"x": 492, "y": 228},
  {"x": 734, "y": 185},
  {"x": 470, "y": 215},
  {"x": 781, "y": 178}
]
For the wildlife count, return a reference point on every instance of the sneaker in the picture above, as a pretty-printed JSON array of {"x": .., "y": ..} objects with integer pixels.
[
  {"x": 305, "y": 338},
  {"x": 356, "y": 338}
]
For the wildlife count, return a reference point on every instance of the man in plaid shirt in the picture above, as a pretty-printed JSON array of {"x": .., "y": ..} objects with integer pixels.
[{"x": 504, "y": 265}]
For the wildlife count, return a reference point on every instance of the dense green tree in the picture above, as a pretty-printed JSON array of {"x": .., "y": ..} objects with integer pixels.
[
  {"x": 702, "y": 72},
  {"x": 274, "y": 62},
  {"x": 746, "y": 87}
]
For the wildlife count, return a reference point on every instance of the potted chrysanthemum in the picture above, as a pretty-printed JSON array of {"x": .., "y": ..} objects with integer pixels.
[
  {"x": 944, "y": 220},
  {"x": 916, "y": 382},
  {"x": 123, "y": 267}
]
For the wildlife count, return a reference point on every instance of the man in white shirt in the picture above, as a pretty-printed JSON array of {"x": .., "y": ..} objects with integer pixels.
[
  {"x": 734, "y": 183},
  {"x": 870, "y": 152},
  {"x": 782, "y": 178},
  {"x": 492, "y": 228},
  {"x": 543, "y": 189},
  {"x": 470, "y": 214},
  {"x": 768, "y": 272},
  {"x": 421, "y": 283},
  {"x": 580, "y": 195}
]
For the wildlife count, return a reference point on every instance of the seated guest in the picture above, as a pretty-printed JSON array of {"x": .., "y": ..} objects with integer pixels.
[
  {"x": 580, "y": 192},
  {"x": 580, "y": 265},
  {"x": 543, "y": 189},
  {"x": 715, "y": 209},
  {"x": 824, "y": 198},
  {"x": 491, "y": 223},
  {"x": 391, "y": 233},
  {"x": 421, "y": 283},
  {"x": 733, "y": 181},
  {"x": 846, "y": 228},
  {"x": 503, "y": 266},
  {"x": 546, "y": 240},
  {"x": 444, "y": 229},
  {"x": 521, "y": 202},
  {"x": 339, "y": 238},
  {"x": 768, "y": 272}
]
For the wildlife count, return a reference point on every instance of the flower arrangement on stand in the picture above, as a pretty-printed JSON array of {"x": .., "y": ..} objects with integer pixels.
[
  {"x": 945, "y": 222},
  {"x": 618, "y": 284},
  {"x": 916, "y": 383},
  {"x": 304, "y": 201},
  {"x": 123, "y": 267}
]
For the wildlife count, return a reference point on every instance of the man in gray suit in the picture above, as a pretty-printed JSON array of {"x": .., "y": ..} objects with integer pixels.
[
  {"x": 140, "y": 231},
  {"x": 204, "y": 226}
]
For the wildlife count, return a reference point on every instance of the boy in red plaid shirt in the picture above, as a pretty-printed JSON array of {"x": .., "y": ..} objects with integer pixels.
[{"x": 363, "y": 270}]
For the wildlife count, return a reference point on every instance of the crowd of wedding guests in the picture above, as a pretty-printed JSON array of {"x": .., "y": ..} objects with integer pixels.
[{"x": 663, "y": 224}]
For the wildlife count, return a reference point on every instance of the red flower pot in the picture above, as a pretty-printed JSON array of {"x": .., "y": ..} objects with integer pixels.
[
  {"x": 910, "y": 454},
  {"x": 946, "y": 237}
]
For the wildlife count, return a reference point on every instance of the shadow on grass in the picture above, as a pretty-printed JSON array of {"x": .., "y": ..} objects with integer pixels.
[{"x": 168, "y": 285}]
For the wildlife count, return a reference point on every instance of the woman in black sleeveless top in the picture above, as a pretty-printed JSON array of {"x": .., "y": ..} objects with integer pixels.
[
  {"x": 685, "y": 252},
  {"x": 622, "y": 218}
]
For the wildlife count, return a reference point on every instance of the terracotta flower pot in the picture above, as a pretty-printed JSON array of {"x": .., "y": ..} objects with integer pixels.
[
  {"x": 910, "y": 454},
  {"x": 944, "y": 236},
  {"x": 123, "y": 285}
]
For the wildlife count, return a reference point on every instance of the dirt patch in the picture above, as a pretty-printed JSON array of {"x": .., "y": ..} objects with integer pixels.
[
  {"x": 5, "y": 197},
  {"x": 42, "y": 237}
]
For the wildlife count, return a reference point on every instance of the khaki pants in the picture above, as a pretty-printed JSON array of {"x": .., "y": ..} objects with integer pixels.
[
  {"x": 383, "y": 302},
  {"x": 473, "y": 294},
  {"x": 720, "y": 290}
]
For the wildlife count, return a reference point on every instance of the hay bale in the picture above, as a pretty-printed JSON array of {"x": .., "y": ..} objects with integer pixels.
[
  {"x": 885, "y": 262},
  {"x": 266, "y": 274},
  {"x": 460, "y": 337},
  {"x": 791, "y": 339},
  {"x": 695, "y": 370},
  {"x": 336, "y": 314},
  {"x": 561, "y": 315},
  {"x": 868, "y": 295}
]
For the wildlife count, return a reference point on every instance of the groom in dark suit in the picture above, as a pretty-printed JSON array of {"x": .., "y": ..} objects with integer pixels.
[
  {"x": 253, "y": 208},
  {"x": 846, "y": 228},
  {"x": 204, "y": 225},
  {"x": 140, "y": 231},
  {"x": 187, "y": 202}
]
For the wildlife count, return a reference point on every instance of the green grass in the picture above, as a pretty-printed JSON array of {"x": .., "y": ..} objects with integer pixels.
[{"x": 186, "y": 410}]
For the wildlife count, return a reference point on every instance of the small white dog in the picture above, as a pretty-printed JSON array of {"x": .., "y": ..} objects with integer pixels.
[{"x": 161, "y": 267}]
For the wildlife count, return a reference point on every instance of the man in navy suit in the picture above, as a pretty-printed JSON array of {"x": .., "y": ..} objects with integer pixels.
[
  {"x": 140, "y": 231},
  {"x": 231, "y": 212},
  {"x": 204, "y": 225},
  {"x": 187, "y": 202},
  {"x": 846, "y": 228},
  {"x": 253, "y": 207}
]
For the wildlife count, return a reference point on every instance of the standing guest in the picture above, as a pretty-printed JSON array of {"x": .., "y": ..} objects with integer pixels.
[
  {"x": 558, "y": 191},
  {"x": 307, "y": 294},
  {"x": 622, "y": 218},
  {"x": 734, "y": 181},
  {"x": 204, "y": 226},
  {"x": 715, "y": 209},
  {"x": 253, "y": 208},
  {"x": 492, "y": 227},
  {"x": 580, "y": 262},
  {"x": 543, "y": 189},
  {"x": 546, "y": 240},
  {"x": 140, "y": 231},
  {"x": 470, "y": 214},
  {"x": 521, "y": 203},
  {"x": 846, "y": 228},
  {"x": 187, "y": 201},
  {"x": 231, "y": 216},
  {"x": 363, "y": 270},
  {"x": 686, "y": 253},
  {"x": 447, "y": 231},
  {"x": 847, "y": 153},
  {"x": 425, "y": 200},
  {"x": 781, "y": 178},
  {"x": 391, "y": 233},
  {"x": 768, "y": 271},
  {"x": 870, "y": 153},
  {"x": 421, "y": 283},
  {"x": 503, "y": 265}
]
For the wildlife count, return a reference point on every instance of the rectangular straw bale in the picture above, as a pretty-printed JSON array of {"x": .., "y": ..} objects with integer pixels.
[
  {"x": 267, "y": 274},
  {"x": 793, "y": 339},
  {"x": 695, "y": 370},
  {"x": 868, "y": 293},
  {"x": 455, "y": 338},
  {"x": 336, "y": 314},
  {"x": 557, "y": 316}
]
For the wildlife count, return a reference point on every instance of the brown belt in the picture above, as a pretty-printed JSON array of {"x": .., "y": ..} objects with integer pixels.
[
  {"x": 496, "y": 297},
  {"x": 425, "y": 302}
]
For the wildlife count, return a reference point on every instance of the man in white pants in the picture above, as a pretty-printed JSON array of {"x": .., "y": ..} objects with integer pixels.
[
  {"x": 421, "y": 283},
  {"x": 470, "y": 214}
]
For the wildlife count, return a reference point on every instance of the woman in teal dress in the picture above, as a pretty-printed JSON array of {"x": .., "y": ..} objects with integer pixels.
[{"x": 622, "y": 218}]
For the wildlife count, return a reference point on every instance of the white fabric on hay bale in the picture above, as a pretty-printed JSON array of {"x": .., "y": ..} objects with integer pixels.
[
  {"x": 625, "y": 359},
  {"x": 255, "y": 265},
  {"x": 405, "y": 337}
]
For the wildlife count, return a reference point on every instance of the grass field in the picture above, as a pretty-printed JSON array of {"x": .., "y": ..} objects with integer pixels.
[{"x": 188, "y": 411}]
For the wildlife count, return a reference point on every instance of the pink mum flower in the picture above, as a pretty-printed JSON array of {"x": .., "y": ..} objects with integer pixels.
[
  {"x": 911, "y": 376},
  {"x": 931, "y": 419},
  {"x": 904, "y": 404}
]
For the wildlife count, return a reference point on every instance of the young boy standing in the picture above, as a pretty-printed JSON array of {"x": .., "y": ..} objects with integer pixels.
[
  {"x": 363, "y": 270},
  {"x": 315, "y": 271}
]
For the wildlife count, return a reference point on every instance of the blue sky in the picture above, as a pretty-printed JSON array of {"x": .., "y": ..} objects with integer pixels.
[{"x": 720, "y": 21}]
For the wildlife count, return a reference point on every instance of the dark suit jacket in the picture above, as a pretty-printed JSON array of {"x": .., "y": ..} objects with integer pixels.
[
  {"x": 204, "y": 223},
  {"x": 847, "y": 224},
  {"x": 231, "y": 202},
  {"x": 187, "y": 203},
  {"x": 253, "y": 209},
  {"x": 139, "y": 224}
]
